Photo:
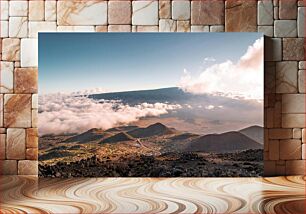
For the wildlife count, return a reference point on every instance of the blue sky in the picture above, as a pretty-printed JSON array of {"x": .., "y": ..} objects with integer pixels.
[{"x": 130, "y": 61}]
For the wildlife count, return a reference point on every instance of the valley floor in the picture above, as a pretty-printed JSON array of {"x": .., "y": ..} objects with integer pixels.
[
  {"x": 239, "y": 164},
  {"x": 152, "y": 151}
]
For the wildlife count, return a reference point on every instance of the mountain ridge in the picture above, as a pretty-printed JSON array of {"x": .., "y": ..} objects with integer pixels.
[{"x": 224, "y": 142}]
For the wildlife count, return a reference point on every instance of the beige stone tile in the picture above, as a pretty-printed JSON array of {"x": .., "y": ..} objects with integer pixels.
[
  {"x": 180, "y": 10},
  {"x": 273, "y": 49},
  {"x": 293, "y": 120},
  {"x": 293, "y": 49},
  {"x": 266, "y": 139},
  {"x": 26, "y": 80},
  {"x": 293, "y": 103},
  {"x": 286, "y": 77},
  {"x": 90, "y": 12},
  {"x": 147, "y": 28},
  {"x": 280, "y": 133},
  {"x": 32, "y": 154},
  {"x": 2, "y": 130},
  {"x": 216, "y": 28},
  {"x": 207, "y": 12},
  {"x": 266, "y": 156},
  {"x": 280, "y": 170},
  {"x": 301, "y": 3},
  {"x": 303, "y": 151},
  {"x": 32, "y": 138},
  {"x": 119, "y": 28},
  {"x": 134, "y": 29},
  {"x": 34, "y": 118},
  {"x": 302, "y": 65},
  {"x": 17, "y": 110},
  {"x": 37, "y": 26},
  {"x": 18, "y": 27},
  {"x": 34, "y": 101},
  {"x": 285, "y": 28},
  {"x": 275, "y": 13},
  {"x": 301, "y": 81},
  {"x": 265, "y": 12},
  {"x": 36, "y": 10},
  {"x": 199, "y": 28},
  {"x": 239, "y": 16},
  {"x": 295, "y": 167},
  {"x": 164, "y": 9},
  {"x": 1, "y": 110},
  {"x": 269, "y": 168},
  {"x": 269, "y": 78},
  {"x": 4, "y": 29},
  {"x": 4, "y": 9},
  {"x": 277, "y": 118},
  {"x": 101, "y": 28},
  {"x": 8, "y": 167},
  {"x": 303, "y": 135},
  {"x": 11, "y": 49},
  {"x": 28, "y": 167},
  {"x": 281, "y": 163},
  {"x": 29, "y": 53},
  {"x": 290, "y": 149},
  {"x": 17, "y": 64},
  {"x": 266, "y": 30},
  {"x": 145, "y": 13},
  {"x": 273, "y": 149},
  {"x": 269, "y": 119},
  {"x": 7, "y": 77},
  {"x": 301, "y": 22},
  {"x": 18, "y": 8},
  {"x": 297, "y": 133},
  {"x": 15, "y": 144},
  {"x": 287, "y": 9},
  {"x": 183, "y": 26},
  {"x": 2, "y": 146},
  {"x": 75, "y": 29},
  {"x": 119, "y": 12},
  {"x": 167, "y": 25},
  {"x": 50, "y": 10}
]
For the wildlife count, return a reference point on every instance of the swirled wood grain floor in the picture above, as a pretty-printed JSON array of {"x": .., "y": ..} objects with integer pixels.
[{"x": 20, "y": 194}]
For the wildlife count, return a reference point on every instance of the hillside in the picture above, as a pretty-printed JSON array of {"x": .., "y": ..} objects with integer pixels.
[
  {"x": 88, "y": 136},
  {"x": 120, "y": 137},
  {"x": 226, "y": 142},
  {"x": 152, "y": 130},
  {"x": 255, "y": 133}
]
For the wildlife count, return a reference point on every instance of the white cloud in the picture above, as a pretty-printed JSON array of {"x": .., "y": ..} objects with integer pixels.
[
  {"x": 209, "y": 107},
  {"x": 90, "y": 91},
  {"x": 62, "y": 113},
  {"x": 212, "y": 107},
  {"x": 243, "y": 80},
  {"x": 209, "y": 59},
  {"x": 188, "y": 106}
]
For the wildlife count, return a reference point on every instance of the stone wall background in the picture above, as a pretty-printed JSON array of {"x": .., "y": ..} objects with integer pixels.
[{"x": 282, "y": 21}]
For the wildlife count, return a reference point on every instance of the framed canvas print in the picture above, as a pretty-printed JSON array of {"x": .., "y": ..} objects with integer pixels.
[{"x": 150, "y": 105}]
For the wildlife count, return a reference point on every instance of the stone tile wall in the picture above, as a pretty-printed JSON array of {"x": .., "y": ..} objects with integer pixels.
[{"x": 282, "y": 21}]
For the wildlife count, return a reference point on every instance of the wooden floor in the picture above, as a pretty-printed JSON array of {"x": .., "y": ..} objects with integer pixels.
[{"x": 153, "y": 195}]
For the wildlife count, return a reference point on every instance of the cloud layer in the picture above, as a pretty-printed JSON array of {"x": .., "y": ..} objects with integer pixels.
[
  {"x": 60, "y": 113},
  {"x": 243, "y": 80}
]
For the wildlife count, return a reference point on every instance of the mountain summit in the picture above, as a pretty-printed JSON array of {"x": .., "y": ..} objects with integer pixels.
[
  {"x": 226, "y": 142},
  {"x": 154, "y": 129}
]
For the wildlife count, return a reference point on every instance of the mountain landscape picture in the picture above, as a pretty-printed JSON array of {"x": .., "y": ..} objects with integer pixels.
[{"x": 150, "y": 104}]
